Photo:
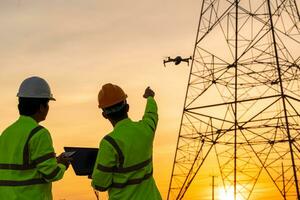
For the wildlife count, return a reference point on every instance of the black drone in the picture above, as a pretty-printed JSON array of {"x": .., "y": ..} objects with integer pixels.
[{"x": 177, "y": 60}]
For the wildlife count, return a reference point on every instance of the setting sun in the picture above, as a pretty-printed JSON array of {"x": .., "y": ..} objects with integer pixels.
[{"x": 227, "y": 195}]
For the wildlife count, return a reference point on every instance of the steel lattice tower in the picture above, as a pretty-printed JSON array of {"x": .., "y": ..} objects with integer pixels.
[{"x": 242, "y": 102}]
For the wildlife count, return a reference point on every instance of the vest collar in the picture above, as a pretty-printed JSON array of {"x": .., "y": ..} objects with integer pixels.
[
  {"x": 27, "y": 119},
  {"x": 123, "y": 121}
]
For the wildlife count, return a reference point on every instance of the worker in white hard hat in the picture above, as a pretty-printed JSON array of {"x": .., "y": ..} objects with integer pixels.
[{"x": 28, "y": 163}]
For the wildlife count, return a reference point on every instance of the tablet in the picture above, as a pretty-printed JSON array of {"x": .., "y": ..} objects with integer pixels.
[{"x": 83, "y": 160}]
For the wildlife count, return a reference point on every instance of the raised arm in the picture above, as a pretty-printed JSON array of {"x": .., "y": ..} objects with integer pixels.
[{"x": 150, "y": 116}]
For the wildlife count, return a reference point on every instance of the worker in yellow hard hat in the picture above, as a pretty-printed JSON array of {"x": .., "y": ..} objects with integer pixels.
[
  {"x": 28, "y": 163},
  {"x": 124, "y": 165}
]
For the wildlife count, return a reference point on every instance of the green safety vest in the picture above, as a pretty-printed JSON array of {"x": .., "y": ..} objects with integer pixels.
[
  {"x": 124, "y": 162},
  {"x": 27, "y": 162}
]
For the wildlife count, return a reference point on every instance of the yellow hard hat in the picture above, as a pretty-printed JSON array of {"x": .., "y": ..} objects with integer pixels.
[{"x": 110, "y": 95}]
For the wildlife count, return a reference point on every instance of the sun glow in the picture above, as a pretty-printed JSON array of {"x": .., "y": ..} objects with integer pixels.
[{"x": 227, "y": 194}]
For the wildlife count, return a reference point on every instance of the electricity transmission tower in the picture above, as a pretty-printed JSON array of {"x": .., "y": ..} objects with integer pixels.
[{"x": 242, "y": 102}]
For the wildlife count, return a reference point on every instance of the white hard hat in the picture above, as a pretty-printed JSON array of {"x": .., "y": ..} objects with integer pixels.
[{"x": 35, "y": 87}]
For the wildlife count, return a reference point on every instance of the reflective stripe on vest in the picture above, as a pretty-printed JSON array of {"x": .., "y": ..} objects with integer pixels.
[
  {"x": 22, "y": 183},
  {"x": 52, "y": 174},
  {"x": 28, "y": 166},
  {"x": 122, "y": 169},
  {"x": 129, "y": 182},
  {"x": 26, "y": 147},
  {"x": 117, "y": 148}
]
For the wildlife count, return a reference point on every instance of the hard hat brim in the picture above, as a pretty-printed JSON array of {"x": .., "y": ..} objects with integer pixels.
[
  {"x": 113, "y": 103},
  {"x": 35, "y": 97}
]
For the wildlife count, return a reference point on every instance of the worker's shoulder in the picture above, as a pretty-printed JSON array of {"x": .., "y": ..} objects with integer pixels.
[
  {"x": 9, "y": 128},
  {"x": 39, "y": 135},
  {"x": 40, "y": 132},
  {"x": 107, "y": 140},
  {"x": 19, "y": 123},
  {"x": 26, "y": 125},
  {"x": 41, "y": 129},
  {"x": 110, "y": 136},
  {"x": 107, "y": 135},
  {"x": 16, "y": 127}
]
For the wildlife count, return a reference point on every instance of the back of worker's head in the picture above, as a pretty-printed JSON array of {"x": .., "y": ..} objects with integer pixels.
[
  {"x": 116, "y": 112},
  {"x": 112, "y": 101},
  {"x": 30, "y": 106},
  {"x": 34, "y": 94}
]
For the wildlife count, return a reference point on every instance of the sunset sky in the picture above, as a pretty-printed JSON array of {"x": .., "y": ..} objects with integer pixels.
[{"x": 79, "y": 45}]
